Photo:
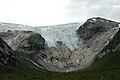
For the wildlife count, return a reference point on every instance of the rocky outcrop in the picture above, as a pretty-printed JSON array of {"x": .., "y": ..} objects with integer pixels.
[
  {"x": 15, "y": 38},
  {"x": 35, "y": 42},
  {"x": 112, "y": 46},
  {"x": 24, "y": 40},
  {"x": 95, "y": 26},
  {"x": 6, "y": 54},
  {"x": 59, "y": 55}
]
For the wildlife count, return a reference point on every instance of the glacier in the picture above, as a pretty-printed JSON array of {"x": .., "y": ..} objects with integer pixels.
[{"x": 66, "y": 33}]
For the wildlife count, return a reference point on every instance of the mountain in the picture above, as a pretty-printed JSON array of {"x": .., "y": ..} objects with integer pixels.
[
  {"x": 27, "y": 54},
  {"x": 94, "y": 35},
  {"x": 62, "y": 48}
]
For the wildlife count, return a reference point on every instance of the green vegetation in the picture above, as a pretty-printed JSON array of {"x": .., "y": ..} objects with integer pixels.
[
  {"x": 108, "y": 62},
  {"x": 106, "y": 68}
]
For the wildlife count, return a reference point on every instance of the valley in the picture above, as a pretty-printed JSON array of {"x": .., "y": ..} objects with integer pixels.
[{"x": 74, "y": 51}]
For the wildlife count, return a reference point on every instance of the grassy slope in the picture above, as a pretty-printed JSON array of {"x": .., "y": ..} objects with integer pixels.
[{"x": 106, "y": 68}]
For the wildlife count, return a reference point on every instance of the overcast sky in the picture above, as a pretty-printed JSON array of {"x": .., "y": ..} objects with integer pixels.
[{"x": 52, "y": 12}]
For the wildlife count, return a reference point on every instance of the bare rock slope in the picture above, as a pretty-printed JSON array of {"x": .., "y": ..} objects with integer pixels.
[
  {"x": 6, "y": 54},
  {"x": 94, "y": 35}
]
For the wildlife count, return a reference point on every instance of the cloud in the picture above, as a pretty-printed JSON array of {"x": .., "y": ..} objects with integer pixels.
[
  {"x": 34, "y": 12},
  {"x": 51, "y": 12},
  {"x": 89, "y": 8}
]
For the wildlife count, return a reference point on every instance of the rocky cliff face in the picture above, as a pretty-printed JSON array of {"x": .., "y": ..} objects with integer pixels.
[
  {"x": 114, "y": 43},
  {"x": 59, "y": 55},
  {"x": 112, "y": 46},
  {"x": 35, "y": 42},
  {"x": 94, "y": 26},
  {"x": 24, "y": 40},
  {"x": 6, "y": 54}
]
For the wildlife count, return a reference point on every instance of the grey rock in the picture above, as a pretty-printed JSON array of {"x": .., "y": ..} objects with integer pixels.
[
  {"x": 94, "y": 26},
  {"x": 6, "y": 54}
]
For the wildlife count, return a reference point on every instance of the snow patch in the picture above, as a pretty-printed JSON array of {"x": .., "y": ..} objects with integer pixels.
[
  {"x": 33, "y": 62},
  {"x": 117, "y": 28},
  {"x": 94, "y": 19},
  {"x": 107, "y": 43},
  {"x": 77, "y": 61}
]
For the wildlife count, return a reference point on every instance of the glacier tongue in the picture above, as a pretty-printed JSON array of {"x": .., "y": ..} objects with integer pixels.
[{"x": 66, "y": 33}]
